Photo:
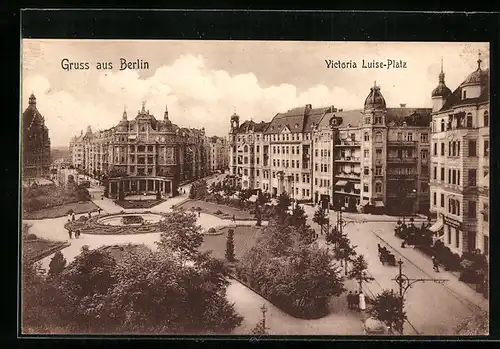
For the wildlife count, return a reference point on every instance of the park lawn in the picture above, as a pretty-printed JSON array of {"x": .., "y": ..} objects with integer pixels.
[
  {"x": 35, "y": 250},
  {"x": 60, "y": 211},
  {"x": 244, "y": 238},
  {"x": 211, "y": 208}
]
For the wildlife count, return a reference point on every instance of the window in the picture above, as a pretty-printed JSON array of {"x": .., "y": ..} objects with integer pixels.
[
  {"x": 378, "y": 171},
  {"x": 442, "y": 174},
  {"x": 435, "y": 172},
  {"x": 424, "y": 154},
  {"x": 274, "y": 162},
  {"x": 293, "y": 150},
  {"x": 471, "y": 241},
  {"x": 442, "y": 125},
  {"x": 449, "y": 235},
  {"x": 410, "y": 137},
  {"x": 400, "y": 136},
  {"x": 315, "y": 181},
  {"x": 409, "y": 153},
  {"x": 293, "y": 163},
  {"x": 378, "y": 153},
  {"x": 458, "y": 177},
  {"x": 464, "y": 94},
  {"x": 457, "y": 238},
  {"x": 486, "y": 148},
  {"x": 274, "y": 174},
  {"x": 366, "y": 153},
  {"x": 449, "y": 176},
  {"x": 315, "y": 167},
  {"x": 257, "y": 173},
  {"x": 472, "y": 177},
  {"x": 435, "y": 149},
  {"x": 424, "y": 138},
  {"x": 442, "y": 200},
  {"x": 449, "y": 148},
  {"x": 378, "y": 137},
  {"x": 469, "y": 120},
  {"x": 245, "y": 172},
  {"x": 378, "y": 187},
  {"x": 316, "y": 152},
  {"x": 434, "y": 199},
  {"x": 486, "y": 245},
  {"x": 365, "y": 187},
  {"x": 471, "y": 209},
  {"x": 353, "y": 137},
  {"x": 365, "y": 170},
  {"x": 442, "y": 149},
  {"x": 486, "y": 119},
  {"x": 367, "y": 137}
]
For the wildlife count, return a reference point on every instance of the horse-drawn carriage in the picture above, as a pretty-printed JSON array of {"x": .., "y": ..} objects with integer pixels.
[{"x": 385, "y": 256}]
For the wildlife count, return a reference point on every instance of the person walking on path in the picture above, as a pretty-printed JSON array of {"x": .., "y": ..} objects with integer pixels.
[
  {"x": 234, "y": 218},
  {"x": 349, "y": 300},
  {"x": 73, "y": 216},
  {"x": 70, "y": 234},
  {"x": 362, "y": 302},
  {"x": 99, "y": 211},
  {"x": 90, "y": 215},
  {"x": 199, "y": 213},
  {"x": 77, "y": 234},
  {"x": 69, "y": 217},
  {"x": 435, "y": 264},
  {"x": 355, "y": 300}
]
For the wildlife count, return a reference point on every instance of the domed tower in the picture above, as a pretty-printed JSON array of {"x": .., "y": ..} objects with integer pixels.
[
  {"x": 471, "y": 87},
  {"x": 165, "y": 114},
  {"x": 440, "y": 93},
  {"x": 235, "y": 123},
  {"x": 374, "y": 109},
  {"x": 32, "y": 100}
]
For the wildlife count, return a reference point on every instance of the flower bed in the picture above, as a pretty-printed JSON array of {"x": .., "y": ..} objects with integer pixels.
[
  {"x": 93, "y": 226},
  {"x": 132, "y": 220},
  {"x": 127, "y": 204}
]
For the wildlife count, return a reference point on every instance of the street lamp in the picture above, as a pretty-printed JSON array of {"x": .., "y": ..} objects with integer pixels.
[
  {"x": 405, "y": 283},
  {"x": 263, "y": 309},
  {"x": 414, "y": 191}
]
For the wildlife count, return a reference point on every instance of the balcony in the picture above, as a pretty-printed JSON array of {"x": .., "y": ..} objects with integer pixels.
[
  {"x": 396, "y": 160},
  {"x": 355, "y": 176},
  {"x": 348, "y": 144},
  {"x": 348, "y": 159},
  {"x": 402, "y": 143}
]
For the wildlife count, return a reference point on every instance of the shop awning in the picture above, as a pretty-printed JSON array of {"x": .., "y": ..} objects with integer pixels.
[
  {"x": 341, "y": 183},
  {"x": 379, "y": 204},
  {"x": 437, "y": 226},
  {"x": 357, "y": 186}
]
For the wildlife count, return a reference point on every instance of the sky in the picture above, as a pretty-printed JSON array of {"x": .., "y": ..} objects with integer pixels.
[{"x": 204, "y": 82}]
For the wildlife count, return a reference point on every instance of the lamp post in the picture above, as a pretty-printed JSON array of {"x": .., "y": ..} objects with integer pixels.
[
  {"x": 405, "y": 283},
  {"x": 263, "y": 309},
  {"x": 414, "y": 191}
]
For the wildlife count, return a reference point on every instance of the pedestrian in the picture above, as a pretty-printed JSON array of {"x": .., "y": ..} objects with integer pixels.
[
  {"x": 362, "y": 303},
  {"x": 69, "y": 217},
  {"x": 77, "y": 234},
  {"x": 70, "y": 233},
  {"x": 355, "y": 300},
  {"x": 349, "y": 300},
  {"x": 379, "y": 249},
  {"x": 199, "y": 213},
  {"x": 234, "y": 218},
  {"x": 435, "y": 264},
  {"x": 98, "y": 211},
  {"x": 90, "y": 215},
  {"x": 73, "y": 216}
]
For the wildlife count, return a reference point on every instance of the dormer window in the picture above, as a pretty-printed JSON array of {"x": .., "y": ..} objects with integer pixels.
[{"x": 296, "y": 125}]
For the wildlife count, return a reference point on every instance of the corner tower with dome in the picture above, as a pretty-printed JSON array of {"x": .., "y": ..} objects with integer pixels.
[
  {"x": 460, "y": 162},
  {"x": 35, "y": 142}
]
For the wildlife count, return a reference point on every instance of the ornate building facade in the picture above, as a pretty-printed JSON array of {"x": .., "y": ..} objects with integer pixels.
[
  {"x": 143, "y": 154},
  {"x": 218, "y": 153},
  {"x": 460, "y": 162},
  {"x": 36, "y": 142},
  {"x": 377, "y": 157}
]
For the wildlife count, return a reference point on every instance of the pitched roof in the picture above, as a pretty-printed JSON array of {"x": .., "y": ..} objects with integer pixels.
[
  {"x": 297, "y": 120},
  {"x": 252, "y": 125},
  {"x": 348, "y": 117},
  {"x": 412, "y": 116}
]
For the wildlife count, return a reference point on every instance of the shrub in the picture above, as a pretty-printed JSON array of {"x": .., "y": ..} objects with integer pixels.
[
  {"x": 219, "y": 212},
  {"x": 31, "y": 236},
  {"x": 212, "y": 231}
]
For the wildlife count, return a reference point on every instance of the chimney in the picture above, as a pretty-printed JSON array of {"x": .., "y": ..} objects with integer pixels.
[
  {"x": 402, "y": 105},
  {"x": 341, "y": 110},
  {"x": 308, "y": 106}
]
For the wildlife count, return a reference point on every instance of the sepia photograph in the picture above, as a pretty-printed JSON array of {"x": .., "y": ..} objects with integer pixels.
[{"x": 258, "y": 188}]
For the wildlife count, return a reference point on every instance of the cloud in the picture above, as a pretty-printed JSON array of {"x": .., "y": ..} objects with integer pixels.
[{"x": 195, "y": 96}]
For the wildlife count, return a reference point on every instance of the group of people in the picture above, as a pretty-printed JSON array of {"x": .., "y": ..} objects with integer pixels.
[
  {"x": 356, "y": 300},
  {"x": 77, "y": 234}
]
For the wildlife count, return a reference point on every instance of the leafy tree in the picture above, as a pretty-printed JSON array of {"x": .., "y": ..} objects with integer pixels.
[
  {"x": 344, "y": 251},
  {"x": 359, "y": 271},
  {"x": 263, "y": 198},
  {"x": 298, "y": 218},
  {"x": 244, "y": 195},
  {"x": 321, "y": 218},
  {"x": 180, "y": 234},
  {"x": 57, "y": 264},
  {"x": 282, "y": 207},
  {"x": 333, "y": 237},
  {"x": 230, "y": 246},
  {"x": 387, "y": 308},
  {"x": 229, "y": 190}
]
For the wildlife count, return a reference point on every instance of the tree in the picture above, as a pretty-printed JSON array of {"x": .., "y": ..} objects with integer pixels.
[
  {"x": 344, "y": 251},
  {"x": 56, "y": 265},
  {"x": 244, "y": 195},
  {"x": 359, "y": 271},
  {"x": 333, "y": 237},
  {"x": 259, "y": 329},
  {"x": 229, "y": 190},
  {"x": 298, "y": 218},
  {"x": 282, "y": 207},
  {"x": 180, "y": 234},
  {"x": 230, "y": 246},
  {"x": 387, "y": 308},
  {"x": 320, "y": 217}
]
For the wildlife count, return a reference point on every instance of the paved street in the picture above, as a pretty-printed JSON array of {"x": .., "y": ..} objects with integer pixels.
[{"x": 432, "y": 308}]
